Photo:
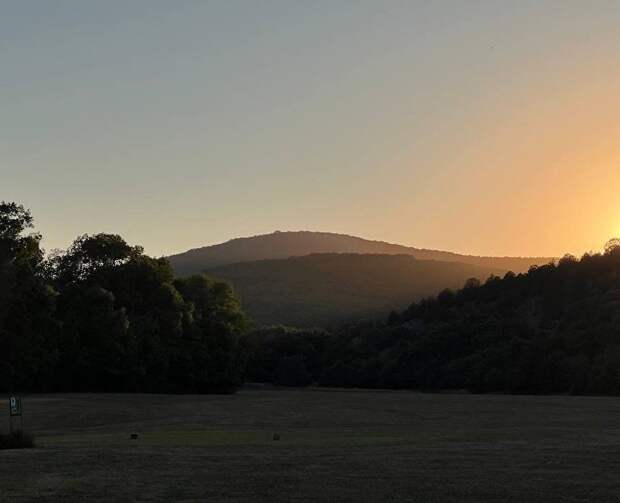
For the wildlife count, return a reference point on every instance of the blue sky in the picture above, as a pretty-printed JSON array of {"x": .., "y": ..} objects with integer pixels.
[{"x": 451, "y": 124}]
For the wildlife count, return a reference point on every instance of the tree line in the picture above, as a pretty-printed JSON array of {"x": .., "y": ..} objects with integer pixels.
[
  {"x": 554, "y": 329},
  {"x": 103, "y": 316}
]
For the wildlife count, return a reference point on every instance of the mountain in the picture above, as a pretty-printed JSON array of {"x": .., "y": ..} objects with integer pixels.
[
  {"x": 325, "y": 289},
  {"x": 280, "y": 245}
]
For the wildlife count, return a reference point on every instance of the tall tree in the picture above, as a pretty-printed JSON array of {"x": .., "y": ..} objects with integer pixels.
[{"x": 27, "y": 329}]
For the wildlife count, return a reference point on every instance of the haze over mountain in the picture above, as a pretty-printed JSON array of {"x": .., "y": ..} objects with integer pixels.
[
  {"x": 329, "y": 288},
  {"x": 280, "y": 245}
]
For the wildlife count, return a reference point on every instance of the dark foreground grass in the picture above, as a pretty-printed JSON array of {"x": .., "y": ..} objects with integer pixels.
[{"x": 350, "y": 446}]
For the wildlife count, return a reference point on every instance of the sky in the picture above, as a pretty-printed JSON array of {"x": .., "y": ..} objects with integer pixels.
[{"x": 481, "y": 127}]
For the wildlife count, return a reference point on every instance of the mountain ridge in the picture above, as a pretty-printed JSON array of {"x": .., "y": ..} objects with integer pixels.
[{"x": 285, "y": 244}]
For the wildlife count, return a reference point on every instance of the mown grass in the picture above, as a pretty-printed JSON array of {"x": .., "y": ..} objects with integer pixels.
[{"x": 334, "y": 445}]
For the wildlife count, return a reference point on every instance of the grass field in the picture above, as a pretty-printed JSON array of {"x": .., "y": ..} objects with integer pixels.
[{"x": 352, "y": 446}]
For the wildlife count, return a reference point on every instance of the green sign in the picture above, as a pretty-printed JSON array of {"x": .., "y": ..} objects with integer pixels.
[{"x": 15, "y": 406}]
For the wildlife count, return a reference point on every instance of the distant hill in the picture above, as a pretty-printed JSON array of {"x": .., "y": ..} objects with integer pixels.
[
  {"x": 325, "y": 289},
  {"x": 280, "y": 245}
]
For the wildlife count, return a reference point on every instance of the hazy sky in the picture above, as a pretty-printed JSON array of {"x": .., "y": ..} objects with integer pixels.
[{"x": 487, "y": 127}]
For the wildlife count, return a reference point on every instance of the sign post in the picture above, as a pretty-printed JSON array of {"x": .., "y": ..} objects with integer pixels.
[{"x": 15, "y": 410}]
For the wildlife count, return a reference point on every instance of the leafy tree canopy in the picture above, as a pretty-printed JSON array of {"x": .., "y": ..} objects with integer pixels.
[{"x": 103, "y": 316}]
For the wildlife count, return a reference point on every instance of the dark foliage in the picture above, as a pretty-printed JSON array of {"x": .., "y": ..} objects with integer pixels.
[
  {"x": 555, "y": 329},
  {"x": 286, "y": 356},
  {"x": 103, "y": 316}
]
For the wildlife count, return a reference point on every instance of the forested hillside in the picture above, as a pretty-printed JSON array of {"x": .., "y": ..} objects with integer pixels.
[
  {"x": 555, "y": 329},
  {"x": 324, "y": 290},
  {"x": 281, "y": 245}
]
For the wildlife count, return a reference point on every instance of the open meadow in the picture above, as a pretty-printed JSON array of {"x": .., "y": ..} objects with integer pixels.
[{"x": 334, "y": 445}]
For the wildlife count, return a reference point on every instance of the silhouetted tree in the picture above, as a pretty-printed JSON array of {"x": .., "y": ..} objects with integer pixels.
[
  {"x": 27, "y": 329},
  {"x": 216, "y": 324},
  {"x": 104, "y": 316},
  {"x": 612, "y": 246}
]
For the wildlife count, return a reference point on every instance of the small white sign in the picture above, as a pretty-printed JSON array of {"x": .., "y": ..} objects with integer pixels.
[{"x": 15, "y": 406}]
